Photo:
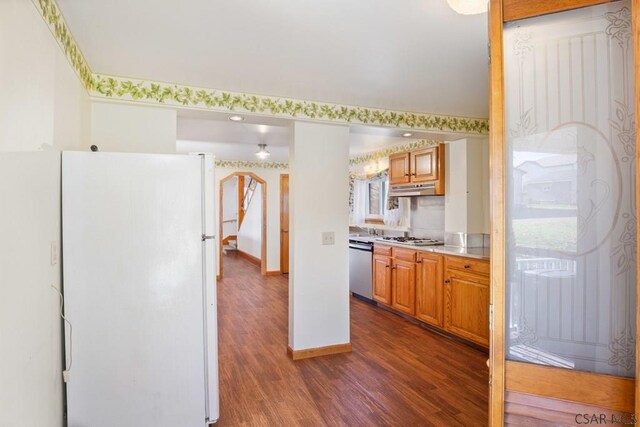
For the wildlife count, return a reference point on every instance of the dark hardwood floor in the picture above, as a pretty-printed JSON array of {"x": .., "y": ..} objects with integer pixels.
[{"x": 397, "y": 374}]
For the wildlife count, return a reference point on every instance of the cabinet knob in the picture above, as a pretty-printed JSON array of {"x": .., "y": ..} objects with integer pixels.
[
  {"x": 413, "y": 174},
  {"x": 386, "y": 266},
  {"x": 447, "y": 281},
  {"x": 467, "y": 266},
  {"x": 419, "y": 262},
  {"x": 406, "y": 174}
]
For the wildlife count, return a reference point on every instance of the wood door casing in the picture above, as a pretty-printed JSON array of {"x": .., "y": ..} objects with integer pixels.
[
  {"x": 284, "y": 223},
  {"x": 467, "y": 299},
  {"x": 424, "y": 165},
  {"x": 429, "y": 288},
  {"x": 403, "y": 286},
  {"x": 544, "y": 392},
  {"x": 399, "y": 168},
  {"x": 382, "y": 278}
]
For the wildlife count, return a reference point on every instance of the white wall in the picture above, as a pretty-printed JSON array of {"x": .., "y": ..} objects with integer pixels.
[
  {"x": 467, "y": 187},
  {"x": 30, "y": 329},
  {"x": 132, "y": 128},
  {"x": 250, "y": 232},
  {"x": 41, "y": 99},
  {"x": 230, "y": 207},
  {"x": 318, "y": 278},
  {"x": 272, "y": 178}
]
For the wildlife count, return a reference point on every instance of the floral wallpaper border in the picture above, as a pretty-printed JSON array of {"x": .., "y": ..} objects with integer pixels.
[
  {"x": 50, "y": 12},
  {"x": 242, "y": 164},
  {"x": 380, "y": 154},
  {"x": 126, "y": 89}
]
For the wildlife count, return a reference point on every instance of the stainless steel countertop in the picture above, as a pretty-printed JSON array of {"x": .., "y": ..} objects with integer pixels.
[{"x": 477, "y": 253}]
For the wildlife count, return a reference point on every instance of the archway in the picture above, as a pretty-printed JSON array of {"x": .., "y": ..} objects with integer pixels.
[{"x": 263, "y": 249}]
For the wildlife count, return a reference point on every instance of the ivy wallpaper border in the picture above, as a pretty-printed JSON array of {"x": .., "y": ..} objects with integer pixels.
[
  {"x": 126, "y": 89},
  {"x": 380, "y": 154},
  {"x": 242, "y": 164},
  {"x": 219, "y": 100},
  {"x": 50, "y": 12}
]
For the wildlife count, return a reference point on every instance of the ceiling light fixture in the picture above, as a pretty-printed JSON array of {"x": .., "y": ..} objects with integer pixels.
[
  {"x": 262, "y": 152},
  {"x": 236, "y": 118},
  {"x": 407, "y": 134},
  {"x": 469, "y": 7}
]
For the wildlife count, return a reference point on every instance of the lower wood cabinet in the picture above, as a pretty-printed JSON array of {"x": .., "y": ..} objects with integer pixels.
[
  {"x": 382, "y": 278},
  {"x": 448, "y": 292},
  {"x": 403, "y": 286},
  {"x": 467, "y": 299},
  {"x": 429, "y": 291}
]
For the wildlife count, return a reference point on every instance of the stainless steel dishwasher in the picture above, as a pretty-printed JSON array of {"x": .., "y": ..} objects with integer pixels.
[{"x": 360, "y": 269}]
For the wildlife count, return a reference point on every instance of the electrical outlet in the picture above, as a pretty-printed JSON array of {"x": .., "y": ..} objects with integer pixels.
[
  {"x": 328, "y": 238},
  {"x": 55, "y": 252}
]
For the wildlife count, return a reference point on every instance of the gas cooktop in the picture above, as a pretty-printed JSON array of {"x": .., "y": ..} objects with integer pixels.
[{"x": 413, "y": 241}]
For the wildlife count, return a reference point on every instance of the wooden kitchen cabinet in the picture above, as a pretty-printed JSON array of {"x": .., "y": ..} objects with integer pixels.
[
  {"x": 425, "y": 165},
  {"x": 382, "y": 278},
  {"x": 429, "y": 292},
  {"x": 467, "y": 295},
  {"x": 403, "y": 286},
  {"x": 399, "y": 168}
]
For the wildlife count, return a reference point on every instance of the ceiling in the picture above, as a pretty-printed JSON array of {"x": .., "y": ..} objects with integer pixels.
[
  {"x": 409, "y": 55},
  {"x": 214, "y": 132}
]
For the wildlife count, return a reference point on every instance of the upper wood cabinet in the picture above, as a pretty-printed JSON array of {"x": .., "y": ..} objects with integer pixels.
[
  {"x": 429, "y": 292},
  {"x": 419, "y": 166},
  {"x": 424, "y": 165},
  {"x": 399, "y": 168}
]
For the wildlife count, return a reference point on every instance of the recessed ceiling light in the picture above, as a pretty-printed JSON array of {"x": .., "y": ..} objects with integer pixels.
[
  {"x": 407, "y": 134},
  {"x": 236, "y": 118}
]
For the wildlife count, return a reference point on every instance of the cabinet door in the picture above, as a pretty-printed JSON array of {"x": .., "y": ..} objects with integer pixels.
[
  {"x": 382, "y": 278},
  {"x": 429, "y": 292},
  {"x": 399, "y": 168},
  {"x": 424, "y": 165},
  {"x": 467, "y": 299},
  {"x": 403, "y": 286}
]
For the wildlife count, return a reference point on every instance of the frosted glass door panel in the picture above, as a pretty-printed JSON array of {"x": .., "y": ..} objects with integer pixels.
[{"x": 571, "y": 225}]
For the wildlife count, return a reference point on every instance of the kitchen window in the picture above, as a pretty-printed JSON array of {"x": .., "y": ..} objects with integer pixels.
[{"x": 376, "y": 198}]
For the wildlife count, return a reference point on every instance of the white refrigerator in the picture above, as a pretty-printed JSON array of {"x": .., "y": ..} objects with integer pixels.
[{"x": 139, "y": 289}]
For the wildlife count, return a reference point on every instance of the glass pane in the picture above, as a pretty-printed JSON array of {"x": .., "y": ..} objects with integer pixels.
[
  {"x": 375, "y": 198},
  {"x": 571, "y": 225}
]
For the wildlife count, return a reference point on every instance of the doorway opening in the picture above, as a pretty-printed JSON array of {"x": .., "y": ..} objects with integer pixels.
[{"x": 243, "y": 218}]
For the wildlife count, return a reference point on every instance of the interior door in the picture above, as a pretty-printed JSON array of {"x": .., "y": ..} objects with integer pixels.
[
  {"x": 284, "y": 223},
  {"x": 564, "y": 222}
]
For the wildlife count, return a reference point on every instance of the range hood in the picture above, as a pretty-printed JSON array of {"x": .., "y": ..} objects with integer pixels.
[{"x": 411, "y": 190}]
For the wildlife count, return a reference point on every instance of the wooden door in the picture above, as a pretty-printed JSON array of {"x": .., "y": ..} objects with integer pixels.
[
  {"x": 424, "y": 164},
  {"x": 564, "y": 342},
  {"x": 284, "y": 223},
  {"x": 382, "y": 278},
  {"x": 429, "y": 292},
  {"x": 466, "y": 312},
  {"x": 403, "y": 286},
  {"x": 399, "y": 168}
]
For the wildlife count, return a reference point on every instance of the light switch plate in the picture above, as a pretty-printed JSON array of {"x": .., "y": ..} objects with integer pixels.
[{"x": 328, "y": 238}]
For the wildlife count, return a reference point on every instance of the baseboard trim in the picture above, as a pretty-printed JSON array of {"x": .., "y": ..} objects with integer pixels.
[
  {"x": 318, "y": 351},
  {"x": 273, "y": 273},
  {"x": 249, "y": 257}
]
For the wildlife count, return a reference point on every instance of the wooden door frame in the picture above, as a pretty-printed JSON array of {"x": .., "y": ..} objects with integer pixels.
[
  {"x": 263, "y": 249},
  {"x": 513, "y": 10},
  {"x": 282, "y": 178}
]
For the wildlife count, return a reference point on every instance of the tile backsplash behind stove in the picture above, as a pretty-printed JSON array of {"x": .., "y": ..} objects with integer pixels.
[{"x": 427, "y": 217}]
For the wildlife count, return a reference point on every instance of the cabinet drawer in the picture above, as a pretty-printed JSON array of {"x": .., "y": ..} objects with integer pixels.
[
  {"x": 468, "y": 264},
  {"x": 404, "y": 254},
  {"x": 381, "y": 249}
]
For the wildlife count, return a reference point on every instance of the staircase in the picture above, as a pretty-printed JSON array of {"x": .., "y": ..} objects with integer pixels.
[
  {"x": 230, "y": 248},
  {"x": 246, "y": 200}
]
